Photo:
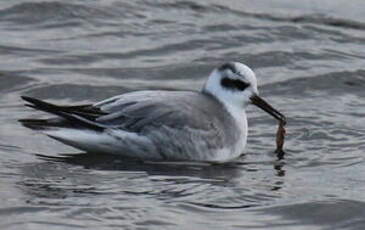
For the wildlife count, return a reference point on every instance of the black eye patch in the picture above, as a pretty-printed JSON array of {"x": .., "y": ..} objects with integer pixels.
[{"x": 234, "y": 84}]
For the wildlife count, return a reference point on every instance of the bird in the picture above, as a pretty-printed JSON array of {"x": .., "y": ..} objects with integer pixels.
[{"x": 208, "y": 125}]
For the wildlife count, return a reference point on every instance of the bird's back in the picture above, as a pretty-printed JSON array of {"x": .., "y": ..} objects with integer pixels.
[{"x": 136, "y": 111}]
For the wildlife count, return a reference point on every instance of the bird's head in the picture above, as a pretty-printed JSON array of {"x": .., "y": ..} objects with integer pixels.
[{"x": 235, "y": 85}]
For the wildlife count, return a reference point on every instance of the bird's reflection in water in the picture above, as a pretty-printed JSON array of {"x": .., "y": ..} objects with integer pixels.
[
  {"x": 203, "y": 170},
  {"x": 91, "y": 174}
]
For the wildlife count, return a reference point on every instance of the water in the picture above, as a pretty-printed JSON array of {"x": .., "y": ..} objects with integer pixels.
[{"x": 309, "y": 59}]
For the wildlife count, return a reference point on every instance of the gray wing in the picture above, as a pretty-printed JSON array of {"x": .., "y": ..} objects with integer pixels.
[{"x": 140, "y": 110}]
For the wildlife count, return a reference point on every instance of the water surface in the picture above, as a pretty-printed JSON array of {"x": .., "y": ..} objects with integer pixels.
[{"x": 309, "y": 60}]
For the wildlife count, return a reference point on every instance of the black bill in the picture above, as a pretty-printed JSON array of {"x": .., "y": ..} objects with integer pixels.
[{"x": 258, "y": 101}]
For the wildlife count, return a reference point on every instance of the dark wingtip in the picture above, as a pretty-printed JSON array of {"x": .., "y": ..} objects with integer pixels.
[
  {"x": 31, "y": 100},
  {"x": 26, "y": 98},
  {"x": 40, "y": 105},
  {"x": 75, "y": 115}
]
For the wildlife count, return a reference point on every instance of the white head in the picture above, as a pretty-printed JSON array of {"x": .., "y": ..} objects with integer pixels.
[{"x": 235, "y": 85}]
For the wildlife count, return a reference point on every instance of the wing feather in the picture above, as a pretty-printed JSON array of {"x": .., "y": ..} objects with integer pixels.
[{"x": 138, "y": 110}]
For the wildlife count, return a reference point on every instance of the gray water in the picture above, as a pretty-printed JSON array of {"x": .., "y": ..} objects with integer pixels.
[{"x": 309, "y": 60}]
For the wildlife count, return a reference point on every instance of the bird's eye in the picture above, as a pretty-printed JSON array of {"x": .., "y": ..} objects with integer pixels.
[{"x": 234, "y": 84}]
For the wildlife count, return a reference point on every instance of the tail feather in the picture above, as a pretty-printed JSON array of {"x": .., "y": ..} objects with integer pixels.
[
  {"x": 45, "y": 124},
  {"x": 38, "y": 124}
]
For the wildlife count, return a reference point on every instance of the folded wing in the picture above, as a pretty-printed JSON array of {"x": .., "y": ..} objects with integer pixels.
[{"x": 131, "y": 112}]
